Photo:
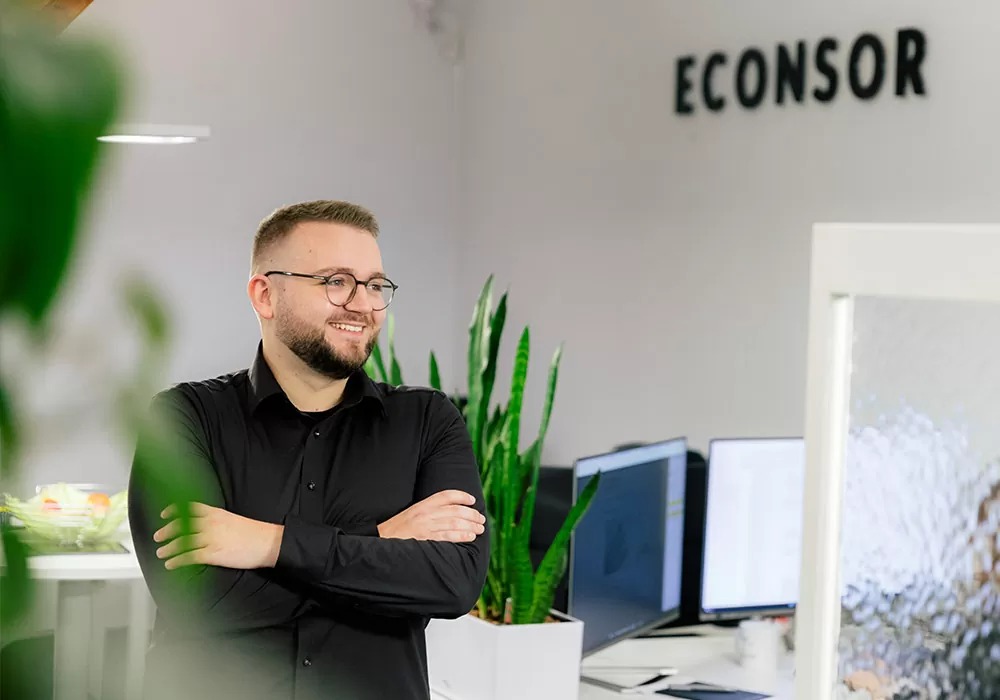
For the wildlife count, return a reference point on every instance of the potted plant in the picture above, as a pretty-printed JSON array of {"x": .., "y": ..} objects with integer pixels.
[{"x": 513, "y": 646}]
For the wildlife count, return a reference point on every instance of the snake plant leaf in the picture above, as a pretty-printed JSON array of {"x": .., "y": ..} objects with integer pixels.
[
  {"x": 370, "y": 368},
  {"x": 532, "y": 464},
  {"x": 478, "y": 342},
  {"x": 522, "y": 575},
  {"x": 510, "y": 478},
  {"x": 58, "y": 95},
  {"x": 494, "y": 433},
  {"x": 489, "y": 371},
  {"x": 379, "y": 364},
  {"x": 16, "y": 591},
  {"x": 395, "y": 371},
  {"x": 435, "y": 375},
  {"x": 553, "y": 565}
]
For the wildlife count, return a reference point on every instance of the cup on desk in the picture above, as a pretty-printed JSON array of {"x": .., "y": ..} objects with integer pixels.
[{"x": 758, "y": 648}]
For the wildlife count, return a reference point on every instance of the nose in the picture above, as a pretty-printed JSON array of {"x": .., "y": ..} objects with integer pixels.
[{"x": 360, "y": 304}]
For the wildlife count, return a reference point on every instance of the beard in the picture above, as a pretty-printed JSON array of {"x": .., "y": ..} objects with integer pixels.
[{"x": 310, "y": 345}]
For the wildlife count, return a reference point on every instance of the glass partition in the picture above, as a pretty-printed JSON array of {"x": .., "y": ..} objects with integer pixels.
[{"x": 920, "y": 508}]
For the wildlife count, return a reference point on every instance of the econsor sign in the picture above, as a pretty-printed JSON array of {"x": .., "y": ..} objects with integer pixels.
[{"x": 800, "y": 73}]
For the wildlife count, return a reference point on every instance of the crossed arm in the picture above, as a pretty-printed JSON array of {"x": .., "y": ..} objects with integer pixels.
[{"x": 227, "y": 570}]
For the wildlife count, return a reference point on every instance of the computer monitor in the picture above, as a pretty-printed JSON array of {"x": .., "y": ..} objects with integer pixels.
[
  {"x": 626, "y": 551},
  {"x": 753, "y": 528}
]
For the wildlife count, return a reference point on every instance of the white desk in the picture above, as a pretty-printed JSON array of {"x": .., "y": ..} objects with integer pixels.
[
  {"x": 79, "y": 632},
  {"x": 709, "y": 658}
]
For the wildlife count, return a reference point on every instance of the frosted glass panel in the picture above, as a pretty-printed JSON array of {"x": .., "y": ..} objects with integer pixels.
[{"x": 919, "y": 557}]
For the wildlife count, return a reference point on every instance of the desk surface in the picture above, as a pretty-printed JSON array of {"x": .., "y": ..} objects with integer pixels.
[
  {"x": 708, "y": 657},
  {"x": 86, "y": 567}
]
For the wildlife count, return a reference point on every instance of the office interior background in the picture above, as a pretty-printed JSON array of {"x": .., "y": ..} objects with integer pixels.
[{"x": 538, "y": 141}]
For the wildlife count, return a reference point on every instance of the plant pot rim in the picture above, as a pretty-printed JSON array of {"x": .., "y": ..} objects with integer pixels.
[{"x": 560, "y": 616}]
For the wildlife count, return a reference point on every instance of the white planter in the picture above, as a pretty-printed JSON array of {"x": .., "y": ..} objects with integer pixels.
[{"x": 470, "y": 659}]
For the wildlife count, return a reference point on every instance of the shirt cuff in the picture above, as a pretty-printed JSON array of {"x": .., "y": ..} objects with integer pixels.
[
  {"x": 305, "y": 548},
  {"x": 367, "y": 528}
]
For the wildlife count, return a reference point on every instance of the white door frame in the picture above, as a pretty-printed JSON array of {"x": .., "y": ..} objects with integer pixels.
[{"x": 958, "y": 262}]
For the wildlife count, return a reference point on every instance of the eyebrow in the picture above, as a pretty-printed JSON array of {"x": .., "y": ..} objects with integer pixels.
[{"x": 337, "y": 270}]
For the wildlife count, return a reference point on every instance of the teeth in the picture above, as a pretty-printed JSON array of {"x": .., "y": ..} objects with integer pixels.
[{"x": 346, "y": 327}]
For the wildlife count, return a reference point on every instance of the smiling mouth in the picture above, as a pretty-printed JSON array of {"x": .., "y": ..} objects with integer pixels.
[{"x": 348, "y": 328}]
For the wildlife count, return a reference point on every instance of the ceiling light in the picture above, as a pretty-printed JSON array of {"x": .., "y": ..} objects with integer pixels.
[{"x": 161, "y": 134}]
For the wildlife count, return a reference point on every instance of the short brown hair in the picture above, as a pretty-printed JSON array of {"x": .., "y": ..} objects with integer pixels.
[{"x": 281, "y": 222}]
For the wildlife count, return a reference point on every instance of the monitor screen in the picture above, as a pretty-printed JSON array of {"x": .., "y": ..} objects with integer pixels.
[
  {"x": 625, "y": 565},
  {"x": 753, "y": 527}
]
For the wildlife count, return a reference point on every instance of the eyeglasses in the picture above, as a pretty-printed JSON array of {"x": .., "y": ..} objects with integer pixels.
[{"x": 342, "y": 286}]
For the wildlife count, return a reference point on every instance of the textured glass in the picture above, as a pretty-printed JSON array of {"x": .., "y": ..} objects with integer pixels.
[{"x": 919, "y": 540}]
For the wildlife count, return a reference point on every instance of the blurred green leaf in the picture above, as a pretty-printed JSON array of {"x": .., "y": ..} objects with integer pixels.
[
  {"x": 57, "y": 95},
  {"x": 144, "y": 303},
  {"x": 16, "y": 590},
  {"x": 10, "y": 443}
]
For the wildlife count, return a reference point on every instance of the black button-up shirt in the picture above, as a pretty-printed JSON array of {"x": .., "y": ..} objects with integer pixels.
[{"x": 342, "y": 614}]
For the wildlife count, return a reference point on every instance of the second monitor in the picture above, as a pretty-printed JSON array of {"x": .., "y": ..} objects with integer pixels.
[
  {"x": 753, "y": 527},
  {"x": 625, "y": 572}
]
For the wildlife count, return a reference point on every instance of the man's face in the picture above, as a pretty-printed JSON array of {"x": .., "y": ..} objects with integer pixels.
[{"x": 334, "y": 341}]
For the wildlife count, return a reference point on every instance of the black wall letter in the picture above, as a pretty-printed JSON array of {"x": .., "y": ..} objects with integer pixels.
[
  {"x": 823, "y": 65},
  {"x": 870, "y": 41},
  {"x": 712, "y": 101},
  {"x": 683, "y": 86},
  {"x": 908, "y": 61},
  {"x": 751, "y": 100},
  {"x": 791, "y": 74}
]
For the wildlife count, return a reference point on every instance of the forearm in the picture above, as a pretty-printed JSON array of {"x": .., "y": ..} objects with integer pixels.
[
  {"x": 204, "y": 599},
  {"x": 386, "y": 576},
  {"x": 171, "y": 466}
]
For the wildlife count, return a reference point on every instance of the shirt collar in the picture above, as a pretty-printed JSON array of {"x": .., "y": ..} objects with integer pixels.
[{"x": 263, "y": 385}]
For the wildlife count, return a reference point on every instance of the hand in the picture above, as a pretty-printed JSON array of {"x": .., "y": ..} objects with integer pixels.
[
  {"x": 218, "y": 538},
  {"x": 446, "y": 517}
]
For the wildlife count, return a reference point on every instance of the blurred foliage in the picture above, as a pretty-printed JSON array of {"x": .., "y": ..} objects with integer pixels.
[{"x": 56, "y": 97}]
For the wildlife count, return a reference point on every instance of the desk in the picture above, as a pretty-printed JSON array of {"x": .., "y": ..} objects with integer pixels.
[
  {"x": 708, "y": 657},
  {"x": 79, "y": 634}
]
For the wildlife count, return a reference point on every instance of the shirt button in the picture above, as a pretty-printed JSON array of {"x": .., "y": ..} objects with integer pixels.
[
  {"x": 316, "y": 433},
  {"x": 307, "y": 662},
  {"x": 311, "y": 486}
]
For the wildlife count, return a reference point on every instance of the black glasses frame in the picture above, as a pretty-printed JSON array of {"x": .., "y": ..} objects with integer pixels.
[{"x": 326, "y": 282}]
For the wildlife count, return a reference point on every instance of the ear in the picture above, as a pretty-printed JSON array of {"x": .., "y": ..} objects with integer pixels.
[{"x": 259, "y": 290}]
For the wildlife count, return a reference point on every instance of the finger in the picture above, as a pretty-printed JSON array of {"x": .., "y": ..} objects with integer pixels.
[
  {"x": 463, "y": 512},
  {"x": 454, "y": 536},
  {"x": 195, "y": 556},
  {"x": 168, "y": 531},
  {"x": 172, "y": 511},
  {"x": 452, "y": 497},
  {"x": 181, "y": 545},
  {"x": 175, "y": 528},
  {"x": 456, "y": 525}
]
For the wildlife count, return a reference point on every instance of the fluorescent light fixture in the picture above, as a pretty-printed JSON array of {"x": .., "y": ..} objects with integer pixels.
[{"x": 162, "y": 134}]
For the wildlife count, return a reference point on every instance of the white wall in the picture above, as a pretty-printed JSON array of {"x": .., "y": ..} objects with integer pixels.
[
  {"x": 346, "y": 99},
  {"x": 671, "y": 254}
]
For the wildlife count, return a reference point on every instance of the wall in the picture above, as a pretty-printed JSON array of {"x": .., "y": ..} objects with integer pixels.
[
  {"x": 339, "y": 99},
  {"x": 670, "y": 254}
]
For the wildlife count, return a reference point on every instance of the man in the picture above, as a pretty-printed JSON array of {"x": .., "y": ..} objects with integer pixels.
[{"x": 333, "y": 517}]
